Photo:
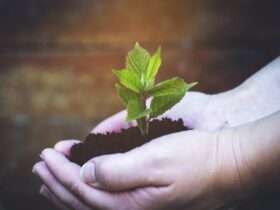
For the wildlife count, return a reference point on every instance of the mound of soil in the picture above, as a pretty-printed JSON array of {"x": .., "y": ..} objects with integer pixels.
[{"x": 125, "y": 140}]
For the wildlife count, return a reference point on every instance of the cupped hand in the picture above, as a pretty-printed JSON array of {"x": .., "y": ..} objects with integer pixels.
[
  {"x": 185, "y": 170},
  {"x": 175, "y": 171}
]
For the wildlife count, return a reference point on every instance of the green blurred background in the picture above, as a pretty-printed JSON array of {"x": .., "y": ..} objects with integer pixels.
[{"x": 56, "y": 59}]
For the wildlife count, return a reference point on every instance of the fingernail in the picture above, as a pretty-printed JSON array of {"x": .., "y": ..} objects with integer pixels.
[
  {"x": 46, "y": 152},
  {"x": 42, "y": 154},
  {"x": 34, "y": 170},
  {"x": 88, "y": 173},
  {"x": 41, "y": 191},
  {"x": 44, "y": 193}
]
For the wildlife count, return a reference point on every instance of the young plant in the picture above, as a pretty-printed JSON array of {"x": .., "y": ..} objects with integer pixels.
[{"x": 137, "y": 84}]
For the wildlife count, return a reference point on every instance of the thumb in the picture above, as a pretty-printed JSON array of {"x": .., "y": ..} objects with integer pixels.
[{"x": 123, "y": 172}]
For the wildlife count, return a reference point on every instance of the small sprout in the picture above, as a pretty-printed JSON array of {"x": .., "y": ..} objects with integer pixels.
[{"x": 137, "y": 84}]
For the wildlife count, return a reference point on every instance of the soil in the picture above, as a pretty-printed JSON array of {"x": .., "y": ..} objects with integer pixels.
[{"x": 125, "y": 140}]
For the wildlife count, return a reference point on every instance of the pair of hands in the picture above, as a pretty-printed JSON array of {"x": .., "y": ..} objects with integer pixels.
[{"x": 190, "y": 170}]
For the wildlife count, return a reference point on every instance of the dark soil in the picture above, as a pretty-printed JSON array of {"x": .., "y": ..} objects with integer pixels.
[{"x": 125, "y": 140}]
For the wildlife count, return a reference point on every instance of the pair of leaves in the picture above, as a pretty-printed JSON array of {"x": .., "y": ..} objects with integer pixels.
[
  {"x": 165, "y": 95},
  {"x": 141, "y": 69}
]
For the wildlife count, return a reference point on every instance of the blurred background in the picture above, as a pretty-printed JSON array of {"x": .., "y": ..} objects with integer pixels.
[{"x": 56, "y": 59}]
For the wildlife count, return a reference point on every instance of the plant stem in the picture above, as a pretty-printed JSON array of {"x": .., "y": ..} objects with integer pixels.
[
  {"x": 143, "y": 126},
  {"x": 143, "y": 123}
]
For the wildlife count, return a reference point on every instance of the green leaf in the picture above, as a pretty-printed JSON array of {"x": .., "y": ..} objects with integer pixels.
[
  {"x": 161, "y": 104},
  {"x": 138, "y": 59},
  {"x": 136, "y": 110},
  {"x": 125, "y": 94},
  {"x": 129, "y": 79},
  {"x": 170, "y": 87},
  {"x": 167, "y": 93},
  {"x": 153, "y": 67}
]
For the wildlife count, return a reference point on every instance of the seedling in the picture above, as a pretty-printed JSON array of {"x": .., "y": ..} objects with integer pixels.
[{"x": 137, "y": 84}]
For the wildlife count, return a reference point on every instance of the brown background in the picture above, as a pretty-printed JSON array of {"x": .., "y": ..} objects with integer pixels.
[{"x": 56, "y": 59}]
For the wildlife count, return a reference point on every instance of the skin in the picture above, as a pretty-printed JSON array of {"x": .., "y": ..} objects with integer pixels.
[{"x": 224, "y": 160}]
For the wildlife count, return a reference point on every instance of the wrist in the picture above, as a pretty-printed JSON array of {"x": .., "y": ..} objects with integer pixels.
[
  {"x": 234, "y": 179},
  {"x": 255, "y": 98},
  {"x": 260, "y": 149},
  {"x": 247, "y": 103},
  {"x": 249, "y": 159}
]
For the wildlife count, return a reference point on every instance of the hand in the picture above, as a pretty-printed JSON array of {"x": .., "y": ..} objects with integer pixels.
[
  {"x": 200, "y": 111},
  {"x": 172, "y": 172},
  {"x": 56, "y": 188},
  {"x": 205, "y": 112}
]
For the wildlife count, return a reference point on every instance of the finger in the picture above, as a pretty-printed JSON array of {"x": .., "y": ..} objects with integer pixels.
[
  {"x": 50, "y": 196},
  {"x": 119, "y": 172},
  {"x": 64, "y": 195},
  {"x": 67, "y": 173},
  {"x": 64, "y": 146},
  {"x": 114, "y": 123}
]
